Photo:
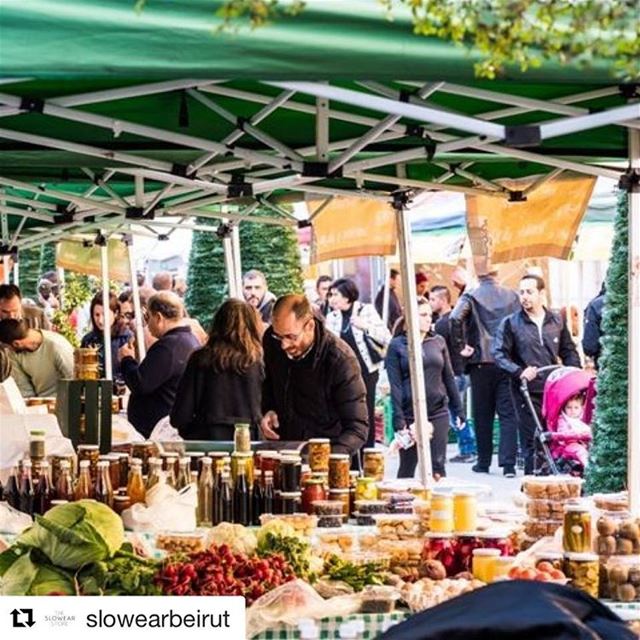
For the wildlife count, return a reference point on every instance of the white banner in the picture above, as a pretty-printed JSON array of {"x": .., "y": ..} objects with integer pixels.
[{"x": 138, "y": 617}]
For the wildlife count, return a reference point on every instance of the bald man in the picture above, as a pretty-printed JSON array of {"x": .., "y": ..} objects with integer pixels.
[{"x": 313, "y": 387}]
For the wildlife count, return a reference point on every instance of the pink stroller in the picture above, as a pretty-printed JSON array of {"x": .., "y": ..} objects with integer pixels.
[{"x": 568, "y": 446}]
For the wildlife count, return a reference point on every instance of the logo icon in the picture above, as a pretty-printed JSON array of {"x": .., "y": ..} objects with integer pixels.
[{"x": 23, "y": 618}]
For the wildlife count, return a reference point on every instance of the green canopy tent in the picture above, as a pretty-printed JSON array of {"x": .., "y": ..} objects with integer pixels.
[{"x": 109, "y": 117}]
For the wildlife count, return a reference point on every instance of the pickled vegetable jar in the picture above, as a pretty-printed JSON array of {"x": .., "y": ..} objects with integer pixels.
[
  {"x": 373, "y": 463},
  {"x": 314, "y": 490},
  {"x": 319, "y": 452},
  {"x": 583, "y": 571},
  {"x": 366, "y": 489},
  {"x": 441, "y": 547},
  {"x": 441, "y": 518},
  {"x": 576, "y": 528},
  {"x": 339, "y": 466},
  {"x": 465, "y": 511}
]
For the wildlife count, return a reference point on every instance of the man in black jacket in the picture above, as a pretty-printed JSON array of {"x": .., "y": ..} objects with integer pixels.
[
  {"x": 593, "y": 327},
  {"x": 313, "y": 386},
  {"x": 395, "y": 308},
  {"x": 474, "y": 322},
  {"x": 526, "y": 340},
  {"x": 154, "y": 382}
]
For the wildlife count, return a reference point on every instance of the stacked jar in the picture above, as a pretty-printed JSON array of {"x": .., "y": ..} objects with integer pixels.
[{"x": 339, "y": 481}]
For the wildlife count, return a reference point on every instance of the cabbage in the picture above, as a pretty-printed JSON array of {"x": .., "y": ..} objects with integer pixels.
[
  {"x": 24, "y": 577},
  {"x": 76, "y": 534}
]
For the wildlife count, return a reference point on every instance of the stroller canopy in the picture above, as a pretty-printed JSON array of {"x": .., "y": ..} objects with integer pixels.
[{"x": 562, "y": 384}]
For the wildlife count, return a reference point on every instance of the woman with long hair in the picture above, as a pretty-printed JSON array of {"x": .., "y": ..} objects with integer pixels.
[
  {"x": 95, "y": 337},
  {"x": 440, "y": 387},
  {"x": 221, "y": 385},
  {"x": 360, "y": 326}
]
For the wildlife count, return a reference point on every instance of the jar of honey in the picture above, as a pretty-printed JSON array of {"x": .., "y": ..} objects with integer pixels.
[
  {"x": 465, "y": 511},
  {"x": 483, "y": 564},
  {"x": 441, "y": 517}
]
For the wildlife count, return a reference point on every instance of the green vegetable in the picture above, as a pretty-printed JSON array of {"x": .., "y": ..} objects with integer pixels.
[
  {"x": 27, "y": 575},
  {"x": 296, "y": 552},
  {"x": 357, "y": 576},
  {"x": 76, "y": 534},
  {"x": 124, "y": 574}
]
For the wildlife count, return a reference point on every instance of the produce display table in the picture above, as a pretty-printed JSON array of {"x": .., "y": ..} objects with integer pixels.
[{"x": 374, "y": 625}]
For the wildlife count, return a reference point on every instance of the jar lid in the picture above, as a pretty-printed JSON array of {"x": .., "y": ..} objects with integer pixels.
[
  {"x": 195, "y": 454},
  {"x": 581, "y": 557},
  {"x": 118, "y": 498},
  {"x": 287, "y": 495},
  {"x": 240, "y": 454},
  {"x": 372, "y": 450},
  {"x": 37, "y": 433},
  {"x": 57, "y": 502},
  {"x": 366, "y": 480},
  {"x": 338, "y": 491},
  {"x": 319, "y": 441},
  {"x": 505, "y": 559},
  {"x": 354, "y": 474},
  {"x": 291, "y": 459},
  {"x": 487, "y": 552},
  {"x": 494, "y": 533},
  {"x": 84, "y": 463},
  {"x": 133, "y": 461},
  {"x": 242, "y": 425},
  {"x": 464, "y": 494},
  {"x": 467, "y": 534},
  {"x": 88, "y": 447},
  {"x": 103, "y": 463},
  {"x": 313, "y": 480},
  {"x": 577, "y": 507},
  {"x": 432, "y": 535},
  {"x": 289, "y": 452},
  {"x": 267, "y": 454},
  {"x": 339, "y": 456}
]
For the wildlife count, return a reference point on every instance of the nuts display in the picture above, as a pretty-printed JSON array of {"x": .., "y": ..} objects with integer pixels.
[
  {"x": 612, "y": 501},
  {"x": 396, "y": 527},
  {"x": 541, "y": 528},
  {"x": 583, "y": 571},
  {"x": 301, "y": 522},
  {"x": 329, "y": 522},
  {"x": 337, "y": 542},
  {"x": 369, "y": 507},
  {"x": 328, "y": 507},
  {"x": 552, "y": 487},
  {"x": 616, "y": 536},
  {"x": 545, "y": 509},
  {"x": 179, "y": 543}
]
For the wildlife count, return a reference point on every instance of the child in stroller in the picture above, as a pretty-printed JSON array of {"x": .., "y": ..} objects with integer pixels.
[{"x": 567, "y": 407}]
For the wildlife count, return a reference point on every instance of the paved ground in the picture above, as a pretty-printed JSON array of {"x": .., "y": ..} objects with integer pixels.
[{"x": 502, "y": 489}]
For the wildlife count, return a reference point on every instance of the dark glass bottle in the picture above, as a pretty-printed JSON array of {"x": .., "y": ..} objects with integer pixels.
[
  {"x": 226, "y": 500},
  {"x": 217, "y": 491},
  {"x": 26, "y": 489},
  {"x": 64, "y": 486},
  {"x": 257, "y": 498},
  {"x": 12, "y": 490},
  {"x": 241, "y": 497},
  {"x": 43, "y": 491},
  {"x": 268, "y": 494},
  {"x": 104, "y": 491}
]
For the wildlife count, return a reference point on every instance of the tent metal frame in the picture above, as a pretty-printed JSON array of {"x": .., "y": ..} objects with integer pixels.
[{"x": 210, "y": 181}]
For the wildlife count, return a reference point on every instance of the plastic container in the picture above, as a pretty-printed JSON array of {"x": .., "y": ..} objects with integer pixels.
[
  {"x": 621, "y": 579},
  {"x": 343, "y": 496},
  {"x": 328, "y": 507},
  {"x": 465, "y": 511},
  {"x": 583, "y": 571},
  {"x": 378, "y": 599},
  {"x": 370, "y": 507},
  {"x": 181, "y": 542},
  {"x": 544, "y": 509},
  {"x": 540, "y": 528},
  {"x": 396, "y": 526},
  {"x": 301, "y": 522},
  {"x": 441, "y": 518},
  {"x": 618, "y": 534},
  {"x": 483, "y": 564},
  {"x": 552, "y": 487},
  {"x": 330, "y": 522}
]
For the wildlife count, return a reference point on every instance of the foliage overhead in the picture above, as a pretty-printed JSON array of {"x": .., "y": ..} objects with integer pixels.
[{"x": 503, "y": 32}]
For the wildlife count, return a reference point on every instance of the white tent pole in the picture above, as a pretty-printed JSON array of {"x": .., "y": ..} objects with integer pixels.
[
  {"x": 6, "y": 270},
  {"x": 229, "y": 265},
  {"x": 564, "y": 126},
  {"x": 423, "y": 184},
  {"x": 106, "y": 332},
  {"x": 135, "y": 295},
  {"x": 237, "y": 258},
  {"x": 633, "y": 459},
  {"x": 418, "y": 390},
  {"x": 16, "y": 272}
]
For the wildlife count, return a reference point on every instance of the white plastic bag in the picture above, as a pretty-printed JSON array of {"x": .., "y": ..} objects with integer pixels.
[
  {"x": 164, "y": 432},
  {"x": 166, "y": 510},
  {"x": 12, "y": 520}
]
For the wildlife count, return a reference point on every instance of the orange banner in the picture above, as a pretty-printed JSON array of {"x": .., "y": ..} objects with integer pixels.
[
  {"x": 73, "y": 255},
  {"x": 349, "y": 227},
  {"x": 544, "y": 225}
]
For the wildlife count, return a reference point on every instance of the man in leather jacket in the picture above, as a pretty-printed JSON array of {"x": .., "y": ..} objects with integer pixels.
[
  {"x": 474, "y": 322},
  {"x": 526, "y": 340}
]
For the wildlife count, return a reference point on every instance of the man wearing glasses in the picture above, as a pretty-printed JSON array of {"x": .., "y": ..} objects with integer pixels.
[{"x": 313, "y": 387}]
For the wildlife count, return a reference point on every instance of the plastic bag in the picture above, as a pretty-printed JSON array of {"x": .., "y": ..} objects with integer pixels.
[
  {"x": 123, "y": 432},
  {"x": 293, "y": 601},
  {"x": 164, "y": 432},
  {"x": 12, "y": 520},
  {"x": 166, "y": 510}
]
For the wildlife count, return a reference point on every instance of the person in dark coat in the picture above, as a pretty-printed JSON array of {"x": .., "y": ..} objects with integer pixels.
[
  {"x": 95, "y": 337},
  {"x": 154, "y": 382},
  {"x": 526, "y": 340},
  {"x": 593, "y": 327},
  {"x": 256, "y": 293},
  {"x": 395, "y": 308},
  {"x": 221, "y": 385},
  {"x": 474, "y": 322},
  {"x": 313, "y": 387},
  {"x": 440, "y": 386}
]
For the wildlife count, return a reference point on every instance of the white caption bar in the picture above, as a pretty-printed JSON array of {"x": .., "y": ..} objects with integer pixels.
[{"x": 139, "y": 617}]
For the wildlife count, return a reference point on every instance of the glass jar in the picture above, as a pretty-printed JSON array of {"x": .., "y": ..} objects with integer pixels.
[
  {"x": 465, "y": 511},
  {"x": 90, "y": 452},
  {"x": 120, "y": 503},
  {"x": 319, "y": 452},
  {"x": 468, "y": 542},
  {"x": 501, "y": 567},
  {"x": 290, "y": 473},
  {"x": 248, "y": 467},
  {"x": 55, "y": 466},
  {"x": 576, "y": 529},
  {"x": 441, "y": 547},
  {"x": 242, "y": 438},
  {"x": 583, "y": 571},
  {"x": 290, "y": 502},
  {"x": 194, "y": 459},
  {"x": 483, "y": 563},
  {"x": 620, "y": 579},
  {"x": 123, "y": 459},
  {"x": 552, "y": 557},
  {"x": 266, "y": 460},
  {"x": 343, "y": 496},
  {"x": 144, "y": 451},
  {"x": 496, "y": 539},
  {"x": 36, "y": 446},
  {"x": 114, "y": 469},
  {"x": 339, "y": 466},
  {"x": 373, "y": 463},
  {"x": 314, "y": 490},
  {"x": 366, "y": 489},
  {"x": 441, "y": 517}
]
